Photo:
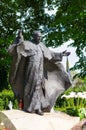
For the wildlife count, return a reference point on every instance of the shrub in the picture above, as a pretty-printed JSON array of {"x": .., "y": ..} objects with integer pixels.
[
  {"x": 82, "y": 113},
  {"x": 5, "y": 97},
  {"x": 75, "y": 106},
  {"x": 76, "y": 89}
]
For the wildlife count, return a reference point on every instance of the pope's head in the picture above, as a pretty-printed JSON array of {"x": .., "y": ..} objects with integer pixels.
[{"x": 37, "y": 36}]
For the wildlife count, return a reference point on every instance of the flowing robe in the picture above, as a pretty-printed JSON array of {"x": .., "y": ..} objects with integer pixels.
[{"x": 33, "y": 70}]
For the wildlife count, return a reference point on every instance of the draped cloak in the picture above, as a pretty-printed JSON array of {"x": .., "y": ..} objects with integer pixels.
[{"x": 37, "y": 75}]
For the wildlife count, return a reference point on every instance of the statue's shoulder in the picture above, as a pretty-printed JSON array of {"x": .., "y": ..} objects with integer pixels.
[
  {"x": 27, "y": 42},
  {"x": 46, "y": 51},
  {"x": 28, "y": 45},
  {"x": 42, "y": 46}
]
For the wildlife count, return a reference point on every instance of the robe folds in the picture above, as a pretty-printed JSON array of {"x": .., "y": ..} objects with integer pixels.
[{"x": 37, "y": 75}]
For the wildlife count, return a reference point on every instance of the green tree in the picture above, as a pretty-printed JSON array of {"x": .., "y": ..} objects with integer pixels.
[
  {"x": 8, "y": 26},
  {"x": 28, "y": 15},
  {"x": 69, "y": 22}
]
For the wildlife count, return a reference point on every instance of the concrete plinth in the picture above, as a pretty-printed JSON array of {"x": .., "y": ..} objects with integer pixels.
[{"x": 20, "y": 120}]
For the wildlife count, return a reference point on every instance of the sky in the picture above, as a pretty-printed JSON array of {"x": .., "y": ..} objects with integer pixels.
[{"x": 72, "y": 57}]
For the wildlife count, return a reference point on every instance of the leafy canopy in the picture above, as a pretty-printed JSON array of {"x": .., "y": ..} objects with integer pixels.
[{"x": 69, "y": 21}]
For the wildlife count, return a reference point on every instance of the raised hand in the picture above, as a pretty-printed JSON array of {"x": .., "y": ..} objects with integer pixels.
[
  {"x": 65, "y": 53},
  {"x": 19, "y": 39}
]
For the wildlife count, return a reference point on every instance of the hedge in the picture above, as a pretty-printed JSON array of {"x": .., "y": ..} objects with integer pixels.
[{"x": 5, "y": 97}]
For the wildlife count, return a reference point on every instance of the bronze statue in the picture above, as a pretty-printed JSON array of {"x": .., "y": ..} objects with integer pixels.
[{"x": 37, "y": 75}]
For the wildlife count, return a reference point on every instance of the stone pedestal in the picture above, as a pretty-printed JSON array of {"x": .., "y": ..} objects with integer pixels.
[{"x": 20, "y": 120}]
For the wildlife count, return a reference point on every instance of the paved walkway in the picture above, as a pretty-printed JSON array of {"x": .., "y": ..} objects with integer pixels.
[{"x": 20, "y": 120}]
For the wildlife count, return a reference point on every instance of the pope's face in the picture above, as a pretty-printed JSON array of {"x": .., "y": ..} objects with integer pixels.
[{"x": 37, "y": 38}]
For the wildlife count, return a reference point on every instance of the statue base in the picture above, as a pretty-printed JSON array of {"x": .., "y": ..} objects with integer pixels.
[{"x": 20, "y": 120}]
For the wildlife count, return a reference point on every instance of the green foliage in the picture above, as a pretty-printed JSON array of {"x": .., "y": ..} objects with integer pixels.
[
  {"x": 74, "y": 111},
  {"x": 71, "y": 17},
  {"x": 76, "y": 89},
  {"x": 68, "y": 22},
  {"x": 82, "y": 113},
  {"x": 70, "y": 102},
  {"x": 5, "y": 97},
  {"x": 72, "y": 106},
  {"x": 75, "y": 106}
]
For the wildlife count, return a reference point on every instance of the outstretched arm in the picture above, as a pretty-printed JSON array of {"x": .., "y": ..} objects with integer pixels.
[{"x": 58, "y": 56}]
